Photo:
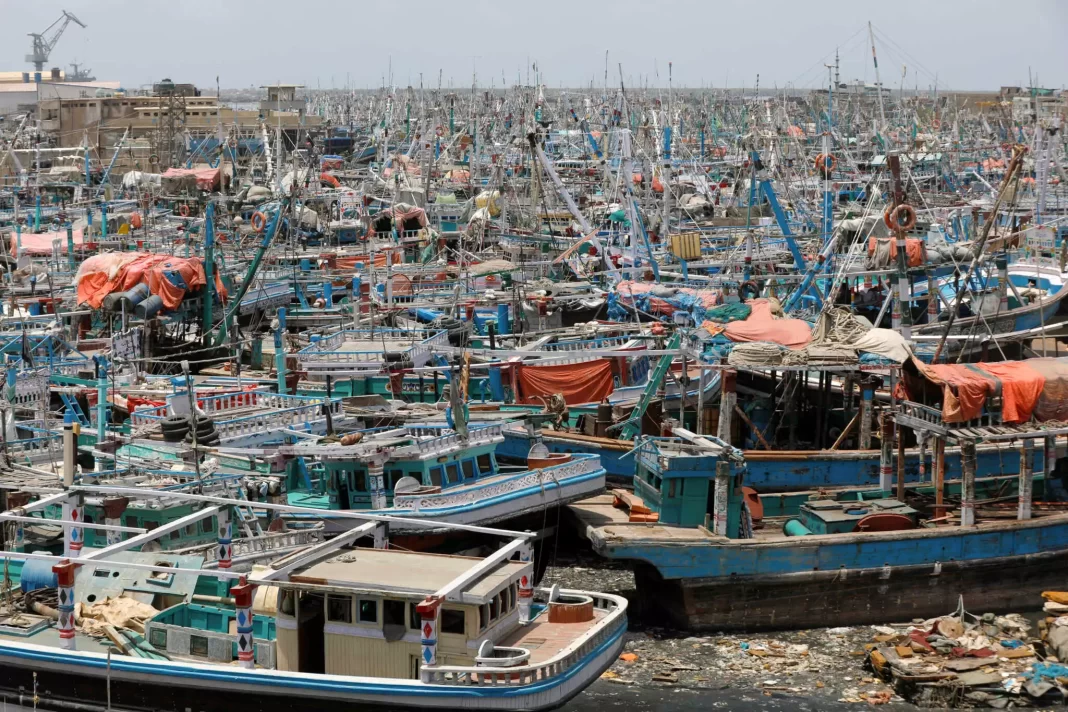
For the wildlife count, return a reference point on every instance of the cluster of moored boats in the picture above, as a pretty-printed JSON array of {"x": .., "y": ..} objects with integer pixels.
[{"x": 287, "y": 422}]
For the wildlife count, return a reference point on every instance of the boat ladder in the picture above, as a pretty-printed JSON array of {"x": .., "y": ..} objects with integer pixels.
[
  {"x": 632, "y": 426},
  {"x": 71, "y": 403}
]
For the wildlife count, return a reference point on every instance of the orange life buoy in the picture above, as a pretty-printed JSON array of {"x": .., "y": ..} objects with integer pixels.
[
  {"x": 259, "y": 221},
  {"x": 903, "y": 217},
  {"x": 135, "y": 220},
  {"x": 183, "y": 210},
  {"x": 936, "y": 124},
  {"x": 822, "y": 162}
]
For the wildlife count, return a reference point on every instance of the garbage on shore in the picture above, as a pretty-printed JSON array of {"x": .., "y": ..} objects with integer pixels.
[{"x": 964, "y": 660}]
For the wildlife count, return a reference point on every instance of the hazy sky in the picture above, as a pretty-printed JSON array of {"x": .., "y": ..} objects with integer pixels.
[{"x": 969, "y": 44}]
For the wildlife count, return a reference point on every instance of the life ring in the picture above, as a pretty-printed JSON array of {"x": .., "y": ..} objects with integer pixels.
[
  {"x": 936, "y": 124},
  {"x": 903, "y": 217},
  {"x": 183, "y": 210},
  {"x": 750, "y": 286},
  {"x": 259, "y": 221},
  {"x": 440, "y": 131},
  {"x": 822, "y": 161}
]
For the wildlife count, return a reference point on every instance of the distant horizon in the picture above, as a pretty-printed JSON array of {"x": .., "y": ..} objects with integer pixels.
[{"x": 688, "y": 44}]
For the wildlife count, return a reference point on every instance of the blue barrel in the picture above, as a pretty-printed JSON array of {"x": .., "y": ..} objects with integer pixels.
[
  {"x": 794, "y": 527},
  {"x": 37, "y": 573},
  {"x": 149, "y": 307},
  {"x": 35, "y": 308}
]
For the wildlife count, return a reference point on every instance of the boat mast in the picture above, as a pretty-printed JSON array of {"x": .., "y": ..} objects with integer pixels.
[{"x": 878, "y": 82}]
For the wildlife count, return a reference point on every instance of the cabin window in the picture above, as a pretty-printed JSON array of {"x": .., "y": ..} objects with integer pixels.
[
  {"x": 131, "y": 520},
  {"x": 393, "y": 612},
  {"x": 207, "y": 524},
  {"x": 483, "y": 616},
  {"x": 151, "y": 525},
  {"x": 435, "y": 476},
  {"x": 288, "y": 605},
  {"x": 361, "y": 481},
  {"x": 175, "y": 535},
  {"x": 198, "y": 645},
  {"x": 391, "y": 478},
  {"x": 453, "y": 621},
  {"x": 503, "y": 598},
  {"x": 339, "y": 608},
  {"x": 671, "y": 487},
  {"x": 469, "y": 469},
  {"x": 485, "y": 464},
  {"x": 393, "y": 625},
  {"x": 511, "y": 596},
  {"x": 452, "y": 471},
  {"x": 158, "y": 638},
  {"x": 368, "y": 610},
  {"x": 415, "y": 621},
  {"x": 191, "y": 529},
  {"x": 494, "y": 610}
]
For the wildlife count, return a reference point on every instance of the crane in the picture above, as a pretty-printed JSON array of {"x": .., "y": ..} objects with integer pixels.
[{"x": 42, "y": 46}]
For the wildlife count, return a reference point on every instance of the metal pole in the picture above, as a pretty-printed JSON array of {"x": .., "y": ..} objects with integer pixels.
[{"x": 967, "y": 490}]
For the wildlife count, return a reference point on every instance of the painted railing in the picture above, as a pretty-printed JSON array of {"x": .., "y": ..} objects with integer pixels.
[
  {"x": 482, "y": 490},
  {"x": 605, "y": 342},
  {"x": 613, "y": 608},
  {"x": 301, "y": 417},
  {"x": 438, "y": 443},
  {"x": 273, "y": 542},
  {"x": 220, "y": 403}
]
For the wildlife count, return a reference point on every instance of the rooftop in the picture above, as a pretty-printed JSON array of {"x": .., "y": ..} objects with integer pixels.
[{"x": 392, "y": 571}]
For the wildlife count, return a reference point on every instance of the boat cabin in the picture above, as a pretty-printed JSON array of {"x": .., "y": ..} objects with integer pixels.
[
  {"x": 676, "y": 481},
  {"x": 358, "y": 616},
  {"x": 429, "y": 457}
]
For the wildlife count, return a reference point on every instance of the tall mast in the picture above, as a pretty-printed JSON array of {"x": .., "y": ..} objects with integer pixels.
[{"x": 878, "y": 82}]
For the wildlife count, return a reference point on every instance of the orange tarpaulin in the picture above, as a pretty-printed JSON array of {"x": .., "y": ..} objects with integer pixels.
[
  {"x": 915, "y": 250},
  {"x": 41, "y": 243},
  {"x": 762, "y": 326},
  {"x": 966, "y": 387},
  {"x": 589, "y": 382},
  {"x": 1053, "y": 403},
  {"x": 169, "y": 277}
]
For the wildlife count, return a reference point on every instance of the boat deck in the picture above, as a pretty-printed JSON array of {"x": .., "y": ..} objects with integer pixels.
[
  {"x": 545, "y": 640},
  {"x": 599, "y": 513}
]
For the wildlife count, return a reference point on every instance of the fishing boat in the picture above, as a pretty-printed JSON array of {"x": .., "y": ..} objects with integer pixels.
[{"x": 324, "y": 625}]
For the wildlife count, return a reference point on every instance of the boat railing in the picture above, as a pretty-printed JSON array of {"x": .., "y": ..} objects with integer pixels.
[
  {"x": 282, "y": 404},
  {"x": 603, "y": 342},
  {"x": 41, "y": 444},
  {"x": 453, "y": 440},
  {"x": 614, "y": 610},
  {"x": 578, "y": 466},
  {"x": 422, "y": 352},
  {"x": 266, "y": 543},
  {"x": 325, "y": 359},
  {"x": 31, "y": 387},
  {"x": 231, "y": 401},
  {"x": 302, "y": 416}
]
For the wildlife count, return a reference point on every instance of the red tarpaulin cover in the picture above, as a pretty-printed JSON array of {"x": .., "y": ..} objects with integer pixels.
[
  {"x": 207, "y": 178},
  {"x": 110, "y": 272},
  {"x": 762, "y": 326},
  {"x": 41, "y": 244},
  {"x": 965, "y": 388},
  {"x": 589, "y": 382}
]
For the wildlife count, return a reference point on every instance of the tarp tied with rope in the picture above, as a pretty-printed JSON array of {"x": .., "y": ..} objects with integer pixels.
[
  {"x": 168, "y": 276},
  {"x": 589, "y": 382},
  {"x": 1035, "y": 388}
]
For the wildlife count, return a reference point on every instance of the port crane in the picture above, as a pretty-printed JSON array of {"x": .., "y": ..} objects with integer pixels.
[{"x": 43, "y": 45}]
